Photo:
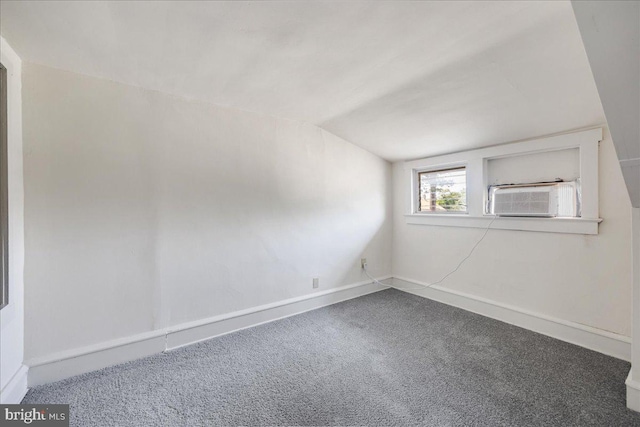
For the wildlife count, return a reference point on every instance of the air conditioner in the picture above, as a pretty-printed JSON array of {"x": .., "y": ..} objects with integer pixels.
[{"x": 550, "y": 199}]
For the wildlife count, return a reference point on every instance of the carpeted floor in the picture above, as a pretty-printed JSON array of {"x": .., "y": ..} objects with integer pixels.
[{"x": 385, "y": 359}]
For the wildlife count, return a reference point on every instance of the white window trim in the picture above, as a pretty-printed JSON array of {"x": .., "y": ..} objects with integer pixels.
[{"x": 476, "y": 162}]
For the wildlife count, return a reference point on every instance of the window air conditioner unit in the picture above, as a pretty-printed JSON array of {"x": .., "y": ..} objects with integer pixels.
[{"x": 547, "y": 199}]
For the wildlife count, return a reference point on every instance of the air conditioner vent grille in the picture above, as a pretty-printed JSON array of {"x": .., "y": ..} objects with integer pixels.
[
  {"x": 546, "y": 199},
  {"x": 514, "y": 203}
]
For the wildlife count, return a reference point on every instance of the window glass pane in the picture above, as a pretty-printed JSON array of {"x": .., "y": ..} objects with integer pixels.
[{"x": 443, "y": 191}]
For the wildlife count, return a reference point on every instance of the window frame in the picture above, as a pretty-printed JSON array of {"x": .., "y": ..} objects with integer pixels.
[
  {"x": 4, "y": 188},
  {"x": 416, "y": 189},
  {"x": 476, "y": 161}
]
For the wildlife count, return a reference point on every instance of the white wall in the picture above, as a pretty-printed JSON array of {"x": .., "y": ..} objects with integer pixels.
[
  {"x": 145, "y": 210},
  {"x": 610, "y": 32},
  {"x": 633, "y": 383},
  {"x": 12, "y": 375},
  {"x": 578, "y": 278}
]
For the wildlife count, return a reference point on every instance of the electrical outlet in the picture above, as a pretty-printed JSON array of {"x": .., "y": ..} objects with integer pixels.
[
  {"x": 316, "y": 282},
  {"x": 363, "y": 262}
]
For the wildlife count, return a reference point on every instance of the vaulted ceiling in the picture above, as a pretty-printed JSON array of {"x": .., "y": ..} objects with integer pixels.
[{"x": 400, "y": 79}]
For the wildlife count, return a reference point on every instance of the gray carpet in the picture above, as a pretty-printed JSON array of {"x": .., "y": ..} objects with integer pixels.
[{"x": 386, "y": 359}]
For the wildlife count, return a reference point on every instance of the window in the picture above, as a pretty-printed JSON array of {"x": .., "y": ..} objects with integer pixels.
[
  {"x": 443, "y": 191},
  {"x": 491, "y": 191},
  {"x": 4, "y": 224}
]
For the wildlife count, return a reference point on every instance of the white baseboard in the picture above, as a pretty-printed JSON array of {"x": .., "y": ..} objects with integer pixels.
[
  {"x": 15, "y": 390},
  {"x": 86, "y": 359},
  {"x": 190, "y": 333},
  {"x": 609, "y": 343},
  {"x": 633, "y": 393},
  {"x": 90, "y": 358}
]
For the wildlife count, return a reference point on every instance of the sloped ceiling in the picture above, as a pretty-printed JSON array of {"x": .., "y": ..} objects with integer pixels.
[
  {"x": 611, "y": 34},
  {"x": 400, "y": 79}
]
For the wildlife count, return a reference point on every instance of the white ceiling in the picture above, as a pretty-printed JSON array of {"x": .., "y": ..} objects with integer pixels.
[{"x": 400, "y": 79}]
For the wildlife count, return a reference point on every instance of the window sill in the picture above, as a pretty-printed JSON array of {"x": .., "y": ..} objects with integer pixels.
[{"x": 548, "y": 225}]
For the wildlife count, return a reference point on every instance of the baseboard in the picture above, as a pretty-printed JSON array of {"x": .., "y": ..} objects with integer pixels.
[
  {"x": 86, "y": 359},
  {"x": 191, "y": 333},
  {"x": 90, "y": 358},
  {"x": 15, "y": 390},
  {"x": 609, "y": 343},
  {"x": 633, "y": 393}
]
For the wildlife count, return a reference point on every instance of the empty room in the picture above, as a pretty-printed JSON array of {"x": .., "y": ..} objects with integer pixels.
[{"x": 320, "y": 213}]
